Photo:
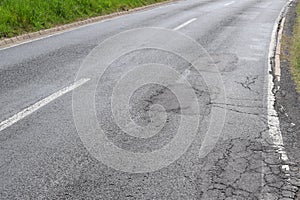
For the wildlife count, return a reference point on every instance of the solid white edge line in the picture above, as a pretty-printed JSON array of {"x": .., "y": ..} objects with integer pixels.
[
  {"x": 29, "y": 110},
  {"x": 273, "y": 119},
  {"x": 274, "y": 132},
  {"x": 185, "y": 24},
  {"x": 228, "y": 4}
]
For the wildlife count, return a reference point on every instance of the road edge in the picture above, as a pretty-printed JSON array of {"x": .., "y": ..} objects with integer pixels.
[
  {"x": 274, "y": 69},
  {"x": 32, "y": 36}
]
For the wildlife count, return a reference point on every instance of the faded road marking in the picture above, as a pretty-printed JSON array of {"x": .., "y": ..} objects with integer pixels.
[
  {"x": 228, "y": 4},
  {"x": 184, "y": 24}
]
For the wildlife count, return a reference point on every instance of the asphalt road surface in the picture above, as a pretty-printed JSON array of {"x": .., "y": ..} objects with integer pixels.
[{"x": 173, "y": 112}]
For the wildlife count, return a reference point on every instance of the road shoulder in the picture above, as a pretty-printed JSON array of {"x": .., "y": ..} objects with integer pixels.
[{"x": 288, "y": 103}]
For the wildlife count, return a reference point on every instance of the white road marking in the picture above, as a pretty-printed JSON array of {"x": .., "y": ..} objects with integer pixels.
[
  {"x": 274, "y": 132},
  {"x": 184, "y": 24},
  {"x": 273, "y": 119},
  {"x": 228, "y": 4},
  {"x": 29, "y": 110}
]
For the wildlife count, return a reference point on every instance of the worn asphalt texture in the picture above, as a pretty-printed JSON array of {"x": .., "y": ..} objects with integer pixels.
[{"x": 43, "y": 157}]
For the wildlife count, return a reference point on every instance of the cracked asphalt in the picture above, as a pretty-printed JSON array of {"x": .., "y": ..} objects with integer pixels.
[{"x": 42, "y": 155}]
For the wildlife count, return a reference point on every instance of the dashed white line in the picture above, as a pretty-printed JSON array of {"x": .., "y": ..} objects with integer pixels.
[
  {"x": 228, "y": 4},
  {"x": 184, "y": 24},
  {"x": 29, "y": 110}
]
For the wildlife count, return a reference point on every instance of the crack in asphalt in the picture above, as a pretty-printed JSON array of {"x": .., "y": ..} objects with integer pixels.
[
  {"x": 238, "y": 111},
  {"x": 246, "y": 158},
  {"x": 248, "y": 82}
]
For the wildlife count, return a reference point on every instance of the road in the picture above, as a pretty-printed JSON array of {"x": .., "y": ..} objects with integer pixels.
[{"x": 47, "y": 151}]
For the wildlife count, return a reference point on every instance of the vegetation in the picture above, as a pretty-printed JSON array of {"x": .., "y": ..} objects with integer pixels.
[
  {"x": 20, "y": 16},
  {"x": 295, "y": 50}
]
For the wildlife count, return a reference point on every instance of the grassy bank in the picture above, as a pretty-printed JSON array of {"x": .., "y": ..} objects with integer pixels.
[
  {"x": 20, "y": 16},
  {"x": 295, "y": 50}
]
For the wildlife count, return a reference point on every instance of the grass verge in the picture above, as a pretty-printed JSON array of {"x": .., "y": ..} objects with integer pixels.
[
  {"x": 295, "y": 50},
  {"x": 21, "y": 16}
]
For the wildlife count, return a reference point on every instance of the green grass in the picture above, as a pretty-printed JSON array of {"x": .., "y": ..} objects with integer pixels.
[
  {"x": 20, "y": 16},
  {"x": 295, "y": 51}
]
